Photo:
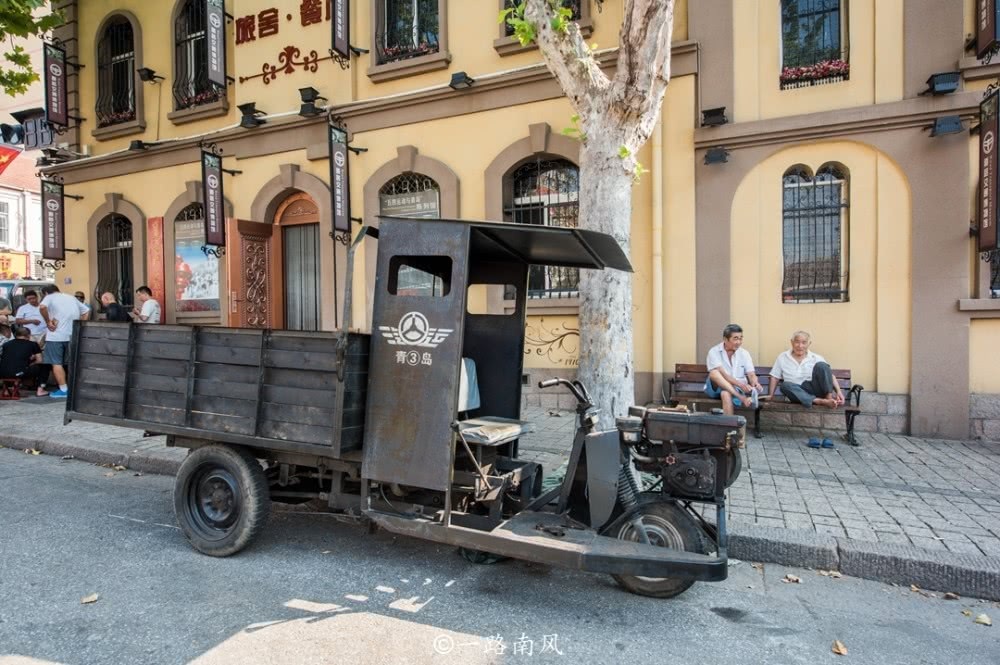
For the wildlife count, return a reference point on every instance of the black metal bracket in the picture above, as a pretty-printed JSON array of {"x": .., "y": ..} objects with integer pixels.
[
  {"x": 212, "y": 147},
  {"x": 357, "y": 50},
  {"x": 973, "y": 229},
  {"x": 74, "y": 250},
  {"x": 57, "y": 264},
  {"x": 54, "y": 177},
  {"x": 356, "y": 151},
  {"x": 218, "y": 251},
  {"x": 994, "y": 50},
  {"x": 231, "y": 171},
  {"x": 76, "y": 117},
  {"x": 75, "y": 65},
  {"x": 75, "y": 197}
]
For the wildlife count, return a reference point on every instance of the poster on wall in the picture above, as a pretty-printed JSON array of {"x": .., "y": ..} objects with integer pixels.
[
  {"x": 53, "y": 221},
  {"x": 989, "y": 135},
  {"x": 196, "y": 275},
  {"x": 54, "y": 67}
]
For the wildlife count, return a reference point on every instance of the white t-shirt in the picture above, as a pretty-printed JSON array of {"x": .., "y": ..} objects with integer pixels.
[
  {"x": 738, "y": 367},
  {"x": 27, "y": 311},
  {"x": 151, "y": 310},
  {"x": 65, "y": 309},
  {"x": 787, "y": 368}
]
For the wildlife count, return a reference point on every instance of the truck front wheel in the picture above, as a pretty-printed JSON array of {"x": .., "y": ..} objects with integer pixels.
[{"x": 221, "y": 499}]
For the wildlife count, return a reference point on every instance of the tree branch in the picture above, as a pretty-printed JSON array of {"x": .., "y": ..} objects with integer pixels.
[{"x": 643, "y": 70}]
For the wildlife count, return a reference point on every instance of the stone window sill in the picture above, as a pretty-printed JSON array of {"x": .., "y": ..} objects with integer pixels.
[
  {"x": 505, "y": 46},
  {"x": 985, "y": 308},
  {"x": 547, "y": 306},
  {"x": 200, "y": 112},
  {"x": 409, "y": 67},
  {"x": 121, "y": 129}
]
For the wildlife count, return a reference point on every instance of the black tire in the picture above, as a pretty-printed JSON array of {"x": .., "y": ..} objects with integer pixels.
[
  {"x": 221, "y": 499},
  {"x": 667, "y": 526},
  {"x": 735, "y": 466}
]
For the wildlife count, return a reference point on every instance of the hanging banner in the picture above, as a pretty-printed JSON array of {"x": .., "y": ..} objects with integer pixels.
[
  {"x": 215, "y": 15},
  {"x": 340, "y": 187},
  {"x": 341, "y": 28},
  {"x": 53, "y": 221},
  {"x": 54, "y": 66},
  {"x": 211, "y": 187},
  {"x": 989, "y": 135}
]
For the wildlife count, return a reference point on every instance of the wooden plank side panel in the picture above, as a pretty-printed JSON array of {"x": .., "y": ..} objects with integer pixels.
[
  {"x": 222, "y": 422},
  {"x": 299, "y": 396},
  {"x": 109, "y": 347},
  {"x": 237, "y": 408},
  {"x": 283, "y": 340},
  {"x": 158, "y": 366},
  {"x": 164, "y": 334},
  {"x": 229, "y": 355},
  {"x": 162, "y": 350},
  {"x": 304, "y": 415},
  {"x": 230, "y": 389},
  {"x": 222, "y": 373},
  {"x": 143, "y": 398},
  {"x": 101, "y": 377},
  {"x": 101, "y": 361},
  {"x": 171, "y": 384},
  {"x": 98, "y": 407},
  {"x": 154, "y": 414},
  {"x": 246, "y": 338},
  {"x": 101, "y": 392},
  {"x": 104, "y": 330},
  {"x": 314, "y": 360},
  {"x": 297, "y": 432}
]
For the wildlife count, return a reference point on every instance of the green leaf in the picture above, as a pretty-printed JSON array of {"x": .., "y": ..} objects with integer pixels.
[{"x": 624, "y": 152}]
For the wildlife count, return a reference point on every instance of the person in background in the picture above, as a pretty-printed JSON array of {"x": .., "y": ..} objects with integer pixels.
[
  {"x": 805, "y": 377},
  {"x": 22, "y": 359},
  {"x": 732, "y": 376},
  {"x": 6, "y": 334},
  {"x": 29, "y": 316},
  {"x": 113, "y": 310},
  {"x": 150, "y": 310},
  {"x": 59, "y": 311},
  {"x": 82, "y": 297}
]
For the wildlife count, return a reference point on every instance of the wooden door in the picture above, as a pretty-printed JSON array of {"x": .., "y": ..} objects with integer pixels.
[
  {"x": 250, "y": 266},
  {"x": 295, "y": 278}
]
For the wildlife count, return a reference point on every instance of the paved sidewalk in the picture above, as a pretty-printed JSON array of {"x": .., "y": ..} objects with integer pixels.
[{"x": 898, "y": 508}]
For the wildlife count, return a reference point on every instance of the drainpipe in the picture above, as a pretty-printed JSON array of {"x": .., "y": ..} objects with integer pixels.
[{"x": 657, "y": 175}]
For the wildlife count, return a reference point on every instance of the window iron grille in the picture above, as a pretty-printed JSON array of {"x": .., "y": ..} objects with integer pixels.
[
  {"x": 191, "y": 85},
  {"x": 116, "y": 74},
  {"x": 573, "y": 5},
  {"x": 115, "y": 271},
  {"x": 4, "y": 223},
  {"x": 546, "y": 192},
  {"x": 409, "y": 29},
  {"x": 815, "y": 235},
  {"x": 994, "y": 258},
  {"x": 190, "y": 213},
  {"x": 812, "y": 39},
  {"x": 408, "y": 183}
]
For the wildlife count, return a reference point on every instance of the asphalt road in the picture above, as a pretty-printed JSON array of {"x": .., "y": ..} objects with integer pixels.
[{"x": 313, "y": 590}]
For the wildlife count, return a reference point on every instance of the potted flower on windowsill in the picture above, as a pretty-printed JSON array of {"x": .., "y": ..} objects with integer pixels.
[
  {"x": 116, "y": 118},
  {"x": 825, "y": 71}
]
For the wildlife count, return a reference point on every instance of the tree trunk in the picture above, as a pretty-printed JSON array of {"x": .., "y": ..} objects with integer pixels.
[{"x": 606, "y": 354}]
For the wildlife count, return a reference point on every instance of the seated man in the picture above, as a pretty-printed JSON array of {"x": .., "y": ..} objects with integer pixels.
[
  {"x": 22, "y": 358},
  {"x": 732, "y": 376},
  {"x": 805, "y": 377}
]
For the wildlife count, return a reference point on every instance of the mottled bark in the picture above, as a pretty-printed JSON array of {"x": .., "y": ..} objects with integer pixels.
[{"x": 617, "y": 116}]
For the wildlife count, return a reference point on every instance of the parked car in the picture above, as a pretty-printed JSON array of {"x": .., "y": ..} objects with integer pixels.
[{"x": 13, "y": 290}]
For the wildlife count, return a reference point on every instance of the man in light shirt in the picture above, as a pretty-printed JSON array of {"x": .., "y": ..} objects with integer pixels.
[
  {"x": 732, "y": 376},
  {"x": 59, "y": 311},
  {"x": 805, "y": 377},
  {"x": 30, "y": 317},
  {"x": 150, "y": 311}
]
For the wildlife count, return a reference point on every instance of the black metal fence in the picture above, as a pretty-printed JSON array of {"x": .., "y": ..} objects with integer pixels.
[
  {"x": 546, "y": 192},
  {"x": 408, "y": 29},
  {"x": 191, "y": 84},
  {"x": 114, "y": 260},
  {"x": 811, "y": 32},
  {"x": 116, "y": 74},
  {"x": 815, "y": 235}
]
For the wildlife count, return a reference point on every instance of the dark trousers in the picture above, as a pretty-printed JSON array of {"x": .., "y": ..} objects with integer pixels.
[
  {"x": 820, "y": 385},
  {"x": 37, "y": 373}
]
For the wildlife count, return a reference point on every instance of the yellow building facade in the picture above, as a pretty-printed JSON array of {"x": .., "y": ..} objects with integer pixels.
[{"x": 821, "y": 203}]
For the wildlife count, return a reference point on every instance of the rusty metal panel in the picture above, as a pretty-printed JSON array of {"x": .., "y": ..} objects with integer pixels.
[{"x": 416, "y": 348}]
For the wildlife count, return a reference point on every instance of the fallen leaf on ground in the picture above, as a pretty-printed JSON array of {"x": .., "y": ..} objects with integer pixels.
[
  {"x": 983, "y": 620},
  {"x": 92, "y": 598},
  {"x": 757, "y": 566},
  {"x": 791, "y": 579},
  {"x": 839, "y": 648},
  {"x": 836, "y": 574},
  {"x": 137, "y": 474},
  {"x": 109, "y": 474},
  {"x": 118, "y": 467},
  {"x": 951, "y": 596},
  {"x": 68, "y": 457},
  {"x": 824, "y": 573},
  {"x": 555, "y": 414},
  {"x": 32, "y": 451},
  {"x": 914, "y": 588},
  {"x": 967, "y": 613}
]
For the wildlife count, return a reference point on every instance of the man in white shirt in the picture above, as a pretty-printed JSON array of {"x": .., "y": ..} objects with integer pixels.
[
  {"x": 805, "y": 377},
  {"x": 732, "y": 376},
  {"x": 150, "y": 311},
  {"x": 59, "y": 311},
  {"x": 30, "y": 317}
]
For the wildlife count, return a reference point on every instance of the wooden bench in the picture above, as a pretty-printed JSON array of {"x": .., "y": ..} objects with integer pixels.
[{"x": 688, "y": 387}]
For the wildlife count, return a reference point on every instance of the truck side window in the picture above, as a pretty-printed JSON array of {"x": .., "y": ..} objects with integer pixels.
[{"x": 428, "y": 276}]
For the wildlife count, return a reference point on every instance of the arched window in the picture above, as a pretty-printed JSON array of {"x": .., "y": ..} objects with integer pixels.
[
  {"x": 115, "y": 271},
  {"x": 815, "y": 234},
  {"x": 410, "y": 195},
  {"x": 196, "y": 274},
  {"x": 191, "y": 84},
  {"x": 813, "y": 42},
  {"x": 116, "y": 73},
  {"x": 546, "y": 191}
]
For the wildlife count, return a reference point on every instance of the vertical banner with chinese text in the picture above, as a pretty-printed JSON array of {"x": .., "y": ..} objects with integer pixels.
[
  {"x": 215, "y": 15},
  {"x": 341, "y": 26},
  {"x": 53, "y": 221},
  {"x": 340, "y": 187},
  {"x": 215, "y": 214},
  {"x": 54, "y": 66},
  {"x": 989, "y": 134}
]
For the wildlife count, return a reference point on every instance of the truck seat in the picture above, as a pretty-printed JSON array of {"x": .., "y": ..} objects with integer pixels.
[{"x": 484, "y": 430}]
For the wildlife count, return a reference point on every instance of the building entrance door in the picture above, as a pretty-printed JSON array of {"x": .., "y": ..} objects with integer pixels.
[
  {"x": 250, "y": 257},
  {"x": 298, "y": 259}
]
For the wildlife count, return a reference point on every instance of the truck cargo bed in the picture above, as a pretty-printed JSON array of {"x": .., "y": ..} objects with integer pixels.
[{"x": 267, "y": 388}]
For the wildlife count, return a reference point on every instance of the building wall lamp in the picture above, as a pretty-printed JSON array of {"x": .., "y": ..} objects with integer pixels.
[
  {"x": 948, "y": 124},
  {"x": 714, "y": 117},
  {"x": 717, "y": 155},
  {"x": 942, "y": 83},
  {"x": 250, "y": 117},
  {"x": 147, "y": 75},
  {"x": 309, "y": 97},
  {"x": 460, "y": 81}
]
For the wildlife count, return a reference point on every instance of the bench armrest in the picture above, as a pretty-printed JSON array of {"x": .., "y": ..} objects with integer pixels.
[{"x": 856, "y": 391}]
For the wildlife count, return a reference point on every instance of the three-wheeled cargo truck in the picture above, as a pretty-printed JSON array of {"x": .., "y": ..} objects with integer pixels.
[{"x": 415, "y": 427}]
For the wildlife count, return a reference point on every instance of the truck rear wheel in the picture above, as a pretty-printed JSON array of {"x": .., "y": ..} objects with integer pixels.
[
  {"x": 666, "y": 526},
  {"x": 221, "y": 499}
]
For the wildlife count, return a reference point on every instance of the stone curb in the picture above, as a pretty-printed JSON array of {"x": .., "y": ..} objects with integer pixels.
[{"x": 965, "y": 574}]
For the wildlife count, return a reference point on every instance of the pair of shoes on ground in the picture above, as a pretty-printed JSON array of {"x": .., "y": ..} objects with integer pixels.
[
  {"x": 816, "y": 443},
  {"x": 57, "y": 394}
]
